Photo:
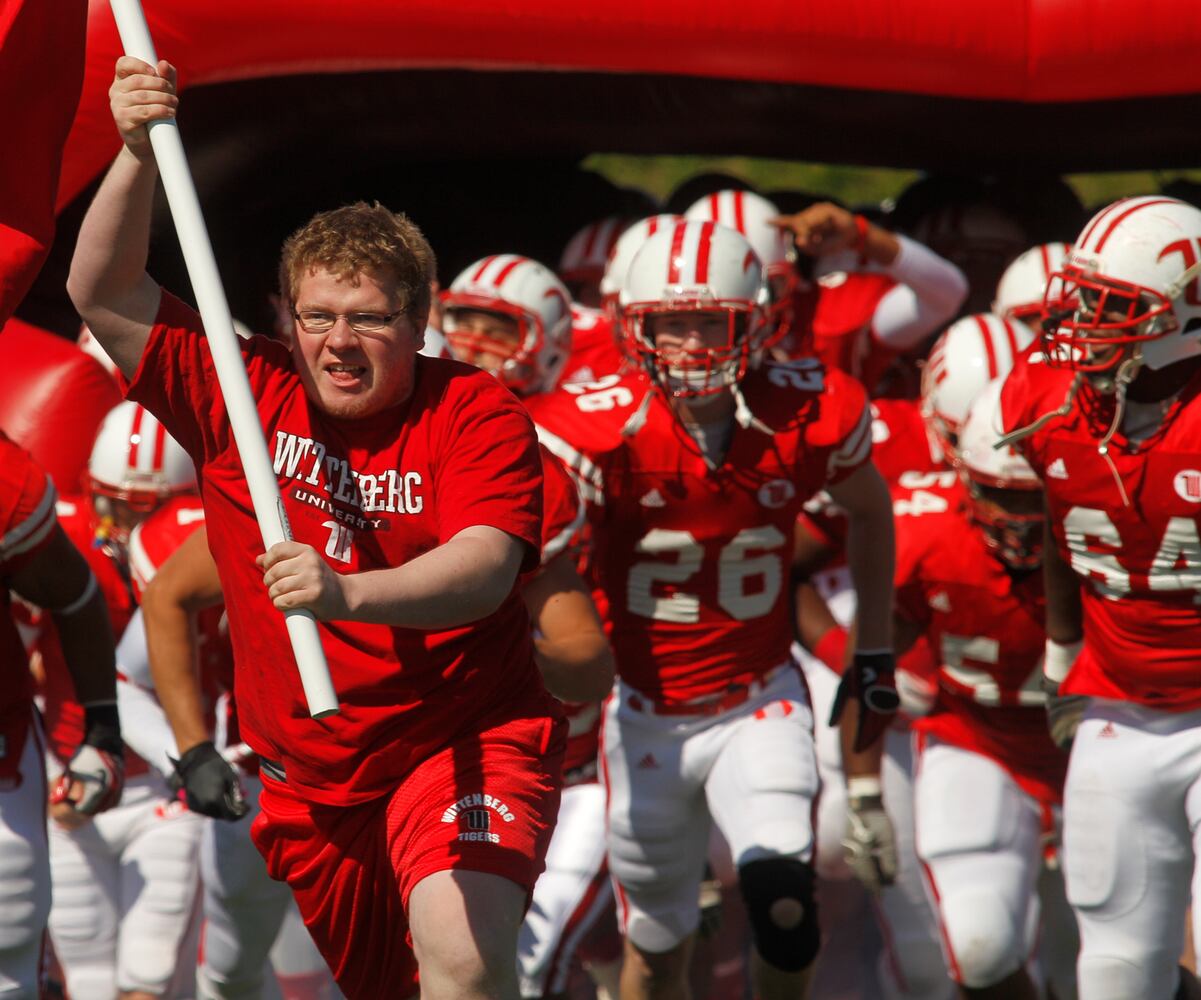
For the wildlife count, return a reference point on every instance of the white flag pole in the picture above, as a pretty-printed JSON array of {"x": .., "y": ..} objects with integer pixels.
[{"x": 227, "y": 358}]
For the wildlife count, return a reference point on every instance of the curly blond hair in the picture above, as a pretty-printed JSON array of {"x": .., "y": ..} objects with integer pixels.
[{"x": 356, "y": 238}]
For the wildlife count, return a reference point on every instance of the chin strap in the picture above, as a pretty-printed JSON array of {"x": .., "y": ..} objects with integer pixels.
[
  {"x": 637, "y": 420},
  {"x": 1126, "y": 372},
  {"x": 742, "y": 412},
  {"x": 1064, "y": 408}
]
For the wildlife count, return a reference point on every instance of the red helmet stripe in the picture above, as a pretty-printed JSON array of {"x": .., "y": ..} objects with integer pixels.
[
  {"x": 135, "y": 437},
  {"x": 652, "y": 225},
  {"x": 704, "y": 245},
  {"x": 1046, "y": 256},
  {"x": 677, "y": 248},
  {"x": 616, "y": 228},
  {"x": 1126, "y": 214},
  {"x": 1011, "y": 336},
  {"x": 479, "y": 271},
  {"x": 986, "y": 334},
  {"x": 739, "y": 220},
  {"x": 590, "y": 240},
  {"x": 507, "y": 270},
  {"x": 160, "y": 446},
  {"x": 1101, "y": 216},
  {"x": 714, "y": 206}
]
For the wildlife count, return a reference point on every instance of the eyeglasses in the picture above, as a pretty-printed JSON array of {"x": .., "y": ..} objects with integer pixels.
[{"x": 314, "y": 321}]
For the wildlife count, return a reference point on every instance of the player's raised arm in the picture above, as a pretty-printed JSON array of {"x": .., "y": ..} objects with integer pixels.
[{"x": 108, "y": 281}]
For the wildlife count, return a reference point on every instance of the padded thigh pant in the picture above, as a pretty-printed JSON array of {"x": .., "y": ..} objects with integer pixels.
[
  {"x": 24, "y": 875},
  {"x": 1132, "y": 811},
  {"x": 751, "y": 768},
  {"x": 125, "y": 890},
  {"x": 979, "y": 837}
]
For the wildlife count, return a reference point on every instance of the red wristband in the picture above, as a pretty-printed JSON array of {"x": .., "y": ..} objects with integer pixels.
[{"x": 831, "y": 648}]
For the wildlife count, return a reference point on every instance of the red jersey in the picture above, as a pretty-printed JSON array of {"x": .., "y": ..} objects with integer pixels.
[
  {"x": 833, "y": 322},
  {"x": 150, "y": 545},
  {"x": 63, "y": 714},
  {"x": 695, "y": 560},
  {"x": 594, "y": 348},
  {"x": 1139, "y": 562},
  {"x": 902, "y": 450},
  {"x": 370, "y": 494},
  {"x": 27, "y": 521},
  {"x": 562, "y": 523},
  {"x": 986, "y": 628},
  {"x": 152, "y": 542},
  {"x": 562, "y": 511}
]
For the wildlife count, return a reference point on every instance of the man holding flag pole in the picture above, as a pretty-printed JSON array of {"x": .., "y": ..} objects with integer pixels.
[{"x": 412, "y": 824}]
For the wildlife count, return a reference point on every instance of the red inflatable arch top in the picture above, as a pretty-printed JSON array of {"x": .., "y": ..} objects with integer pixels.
[
  {"x": 1022, "y": 58},
  {"x": 53, "y": 398}
]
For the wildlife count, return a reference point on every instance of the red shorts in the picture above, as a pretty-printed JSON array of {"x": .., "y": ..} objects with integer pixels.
[{"x": 484, "y": 804}]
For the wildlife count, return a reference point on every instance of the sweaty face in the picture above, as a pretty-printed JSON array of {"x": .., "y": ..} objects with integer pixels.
[{"x": 353, "y": 375}]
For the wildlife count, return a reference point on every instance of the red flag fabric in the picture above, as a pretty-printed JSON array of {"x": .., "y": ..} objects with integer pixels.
[{"x": 41, "y": 73}]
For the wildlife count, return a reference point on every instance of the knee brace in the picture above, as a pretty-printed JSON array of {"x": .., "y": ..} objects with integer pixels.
[{"x": 778, "y": 893}]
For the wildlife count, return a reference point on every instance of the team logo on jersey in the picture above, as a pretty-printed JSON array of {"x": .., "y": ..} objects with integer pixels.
[
  {"x": 1057, "y": 470},
  {"x": 1188, "y": 485},
  {"x": 776, "y": 493},
  {"x": 474, "y": 813},
  {"x": 653, "y": 498}
]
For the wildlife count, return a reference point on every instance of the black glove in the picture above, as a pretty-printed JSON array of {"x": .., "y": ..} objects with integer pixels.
[
  {"x": 871, "y": 681},
  {"x": 210, "y": 785}
]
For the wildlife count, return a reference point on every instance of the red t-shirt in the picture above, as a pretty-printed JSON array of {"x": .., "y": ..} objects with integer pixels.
[
  {"x": 1140, "y": 564},
  {"x": 27, "y": 521},
  {"x": 370, "y": 494},
  {"x": 695, "y": 561},
  {"x": 986, "y": 628}
]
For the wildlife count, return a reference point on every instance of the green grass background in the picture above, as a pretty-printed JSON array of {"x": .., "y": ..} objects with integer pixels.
[{"x": 659, "y": 175}]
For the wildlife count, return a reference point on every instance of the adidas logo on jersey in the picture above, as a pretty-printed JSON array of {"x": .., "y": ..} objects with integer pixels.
[
  {"x": 940, "y": 602},
  {"x": 1057, "y": 470},
  {"x": 648, "y": 763},
  {"x": 653, "y": 499},
  {"x": 1107, "y": 732}
]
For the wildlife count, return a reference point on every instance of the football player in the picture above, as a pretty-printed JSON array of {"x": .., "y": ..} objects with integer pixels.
[
  {"x": 39, "y": 564},
  {"x": 989, "y": 781},
  {"x": 694, "y": 467},
  {"x": 507, "y": 315},
  {"x": 125, "y": 883},
  {"x": 1107, "y": 414}
]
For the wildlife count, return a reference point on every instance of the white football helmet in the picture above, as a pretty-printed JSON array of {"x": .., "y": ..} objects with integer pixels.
[
  {"x": 1130, "y": 289},
  {"x": 970, "y": 353},
  {"x": 1004, "y": 494},
  {"x": 748, "y": 213},
  {"x": 523, "y": 290},
  {"x": 587, "y": 252},
  {"x": 692, "y": 267},
  {"x": 1023, "y": 286},
  {"x": 628, "y": 244},
  {"x": 136, "y": 464}
]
